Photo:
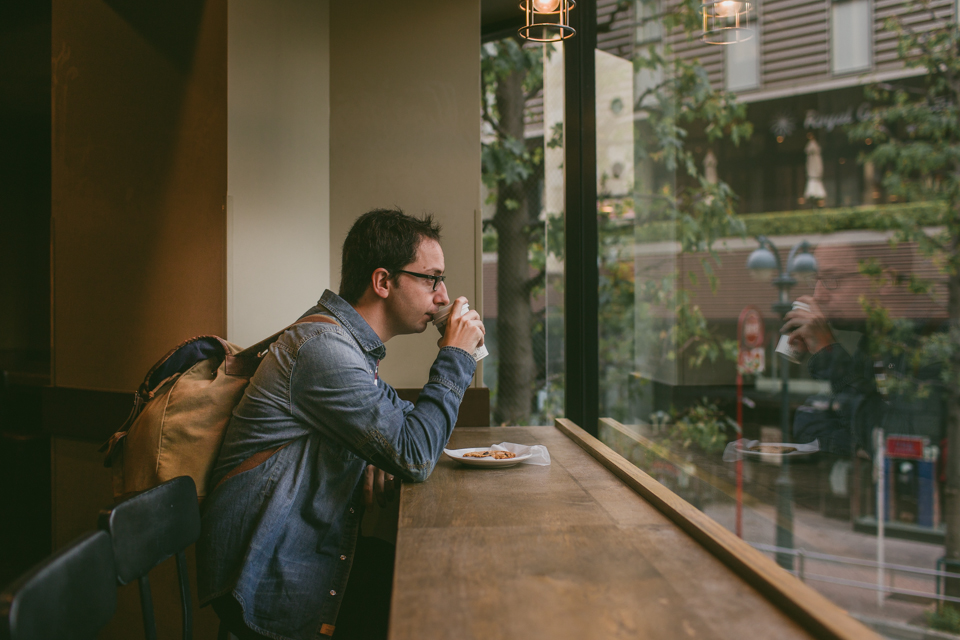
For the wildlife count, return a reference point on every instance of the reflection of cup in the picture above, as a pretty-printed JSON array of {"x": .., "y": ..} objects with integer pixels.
[
  {"x": 440, "y": 322},
  {"x": 795, "y": 353}
]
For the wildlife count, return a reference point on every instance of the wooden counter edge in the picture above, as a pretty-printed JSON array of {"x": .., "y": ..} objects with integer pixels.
[{"x": 807, "y": 607}]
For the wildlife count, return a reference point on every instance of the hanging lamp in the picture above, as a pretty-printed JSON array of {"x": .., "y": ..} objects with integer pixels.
[
  {"x": 726, "y": 21},
  {"x": 547, "y": 20}
]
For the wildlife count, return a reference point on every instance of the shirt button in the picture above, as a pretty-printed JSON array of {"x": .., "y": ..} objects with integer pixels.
[
  {"x": 343, "y": 557},
  {"x": 332, "y": 592}
]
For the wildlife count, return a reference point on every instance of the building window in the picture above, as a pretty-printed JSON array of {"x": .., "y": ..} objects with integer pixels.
[
  {"x": 742, "y": 65},
  {"x": 648, "y": 21},
  {"x": 850, "y": 36}
]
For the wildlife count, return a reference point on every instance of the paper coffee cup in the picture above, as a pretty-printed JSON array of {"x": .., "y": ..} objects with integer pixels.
[
  {"x": 793, "y": 353},
  {"x": 440, "y": 322}
]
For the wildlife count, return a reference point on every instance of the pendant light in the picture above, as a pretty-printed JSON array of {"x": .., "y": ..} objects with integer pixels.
[
  {"x": 726, "y": 22},
  {"x": 547, "y": 20}
]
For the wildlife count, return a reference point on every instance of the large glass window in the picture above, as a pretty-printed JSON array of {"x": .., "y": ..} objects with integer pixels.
[
  {"x": 522, "y": 164},
  {"x": 778, "y": 279}
]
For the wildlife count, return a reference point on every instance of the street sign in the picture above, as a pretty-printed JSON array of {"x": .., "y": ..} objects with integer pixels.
[{"x": 752, "y": 328}]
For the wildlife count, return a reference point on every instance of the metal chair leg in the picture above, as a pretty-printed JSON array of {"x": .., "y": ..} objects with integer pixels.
[
  {"x": 184, "y": 577},
  {"x": 146, "y": 605}
]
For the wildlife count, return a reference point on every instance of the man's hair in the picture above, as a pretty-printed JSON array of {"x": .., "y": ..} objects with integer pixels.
[{"x": 386, "y": 238}]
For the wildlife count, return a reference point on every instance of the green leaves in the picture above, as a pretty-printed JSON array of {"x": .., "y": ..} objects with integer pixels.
[
  {"x": 702, "y": 425},
  {"x": 913, "y": 141}
]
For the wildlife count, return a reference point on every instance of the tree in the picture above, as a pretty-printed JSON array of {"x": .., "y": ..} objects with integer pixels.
[
  {"x": 915, "y": 137},
  {"x": 512, "y": 169}
]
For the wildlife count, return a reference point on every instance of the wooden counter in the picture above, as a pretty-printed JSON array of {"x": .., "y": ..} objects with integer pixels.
[{"x": 563, "y": 551}]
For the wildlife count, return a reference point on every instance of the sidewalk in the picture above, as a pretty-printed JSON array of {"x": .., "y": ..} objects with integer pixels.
[{"x": 813, "y": 532}]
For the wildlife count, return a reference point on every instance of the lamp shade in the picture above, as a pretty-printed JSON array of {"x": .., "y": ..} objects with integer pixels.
[
  {"x": 804, "y": 266},
  {"x": 547, "y": 20},
  {"x": 726, "y": 21},
  {"x": 762, "y": 260}
]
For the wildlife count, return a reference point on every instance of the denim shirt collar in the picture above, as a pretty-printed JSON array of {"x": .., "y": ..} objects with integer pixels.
[{"x": 354, "y": 323}]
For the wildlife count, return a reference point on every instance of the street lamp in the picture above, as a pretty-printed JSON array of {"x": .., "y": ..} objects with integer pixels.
[{"x": 765, "y": 263}]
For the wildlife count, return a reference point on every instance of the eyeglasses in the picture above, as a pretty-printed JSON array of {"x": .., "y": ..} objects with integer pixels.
[
  {"x": 832, "y": 280},
  {"x": 436, "y": 279}
]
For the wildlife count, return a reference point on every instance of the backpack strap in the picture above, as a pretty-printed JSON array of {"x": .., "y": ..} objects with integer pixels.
[
  {"x": 244, "y": 363},
  {"x": 254, "y": 353}
]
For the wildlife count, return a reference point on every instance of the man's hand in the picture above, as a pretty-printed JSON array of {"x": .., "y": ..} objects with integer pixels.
[
  {"x": 378, "y": 485},
  {"x": 808, "y": 327},
  {"x": 466, "y": 331}
]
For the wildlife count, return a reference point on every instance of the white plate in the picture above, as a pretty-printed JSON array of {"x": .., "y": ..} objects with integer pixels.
[
  {"x": 457, "y": 454},
  {"x": 802, "y": 450}
]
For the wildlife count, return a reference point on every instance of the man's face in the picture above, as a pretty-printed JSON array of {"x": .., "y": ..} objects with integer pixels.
[
  {"x": 412, "y": 301},
  {"x": 839, "y": 284}
]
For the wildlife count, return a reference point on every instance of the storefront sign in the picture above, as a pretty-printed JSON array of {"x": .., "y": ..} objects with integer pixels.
[
  {"x": 909, "y": 447},
  {"x": 830, "y": 121}
]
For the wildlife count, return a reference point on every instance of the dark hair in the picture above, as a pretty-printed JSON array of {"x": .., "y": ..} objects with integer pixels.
[{"x": 386, "y": 238}]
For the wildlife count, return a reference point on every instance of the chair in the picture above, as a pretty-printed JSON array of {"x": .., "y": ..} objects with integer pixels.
[
  {"x": 148, "y": 528},
  {"x": 69, "y": 596}
]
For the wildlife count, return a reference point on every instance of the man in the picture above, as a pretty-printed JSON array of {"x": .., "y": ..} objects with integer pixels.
[
  {"x": 842, "y": 421},
  {"x": 278, "y": 540}
]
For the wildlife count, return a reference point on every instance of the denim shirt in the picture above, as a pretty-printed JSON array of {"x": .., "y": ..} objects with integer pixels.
[{"x": 280, "y": 537}]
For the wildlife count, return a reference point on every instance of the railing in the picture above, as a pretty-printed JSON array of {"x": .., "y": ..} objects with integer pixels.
[{"x": 803, "y": 555}]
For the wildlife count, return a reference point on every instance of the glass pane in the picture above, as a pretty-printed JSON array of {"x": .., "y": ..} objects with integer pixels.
[
  {"x": 742, "y": 65},
  {"x": 821, "y": 437},
  {"x": 522, "y": 150},
  {"x": 850, "y": 40}
]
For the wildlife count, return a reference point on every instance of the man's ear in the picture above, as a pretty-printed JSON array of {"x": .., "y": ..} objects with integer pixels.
[{"x": 380, "y": 282}]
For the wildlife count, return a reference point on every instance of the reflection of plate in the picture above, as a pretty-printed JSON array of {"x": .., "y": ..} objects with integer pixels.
[
  {"x": 798, "y": 450},
  {"x": 457, "y": 454}
]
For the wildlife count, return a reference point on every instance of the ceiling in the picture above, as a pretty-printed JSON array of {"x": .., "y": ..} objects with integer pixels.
[{"x": 500, "y": 15}]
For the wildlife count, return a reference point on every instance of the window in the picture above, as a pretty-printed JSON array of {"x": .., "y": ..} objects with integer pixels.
[
  {"x": 850, "y": 36},
  {"x": 649, "y": 26},
  {"x": 684, "y": 306},
  {"x": 742, "y": 64},
  {"x": 522, "y": 177}
]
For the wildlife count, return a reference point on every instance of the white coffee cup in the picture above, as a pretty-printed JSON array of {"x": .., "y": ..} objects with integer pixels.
[
  {"x": 440, "y": 322},
  {"x": 795, "y": 353}
]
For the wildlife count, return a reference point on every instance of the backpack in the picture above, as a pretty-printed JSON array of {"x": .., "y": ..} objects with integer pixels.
[{"x": 181, "y": 411}]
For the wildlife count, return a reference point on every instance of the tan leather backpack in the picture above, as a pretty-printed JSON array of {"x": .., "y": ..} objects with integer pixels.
[{"x": 181, "y": 411}]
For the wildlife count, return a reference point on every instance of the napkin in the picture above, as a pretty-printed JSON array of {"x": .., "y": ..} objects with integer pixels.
[{"x": 538, "y": 453}]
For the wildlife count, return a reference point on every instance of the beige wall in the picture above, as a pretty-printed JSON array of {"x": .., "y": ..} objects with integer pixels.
[
  {"x": 278, "y": 158},
  {"x": 138, "y": 184},
  {"x": 405, "y": 131}
]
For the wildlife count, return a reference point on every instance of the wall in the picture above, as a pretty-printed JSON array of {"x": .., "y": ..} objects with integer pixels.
[
  {"x": 278, "y": 156},
  {"x": 138, "y": 184},
  {"x": 405, "y": 131}
]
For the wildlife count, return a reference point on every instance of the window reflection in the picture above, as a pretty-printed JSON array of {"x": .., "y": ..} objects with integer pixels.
[{"x": 788, "y": 153}]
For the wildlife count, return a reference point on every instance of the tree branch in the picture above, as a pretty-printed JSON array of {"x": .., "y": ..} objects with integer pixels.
[
  {"x": 493, "y": 123},
  {"x": 531, "y": 283}
]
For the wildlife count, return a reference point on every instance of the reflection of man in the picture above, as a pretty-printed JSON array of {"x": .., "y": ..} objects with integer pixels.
[
  {"x": 279, "y": 540},
  {"x": 842, "y": 421}
]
